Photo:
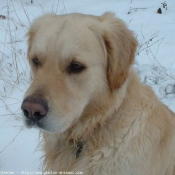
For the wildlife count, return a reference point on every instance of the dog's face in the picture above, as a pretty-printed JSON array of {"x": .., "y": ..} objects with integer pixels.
[{"x": 75, "y": 60}]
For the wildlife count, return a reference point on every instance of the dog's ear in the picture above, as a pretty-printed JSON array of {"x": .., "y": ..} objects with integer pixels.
[{"x": 120, "y": 46}]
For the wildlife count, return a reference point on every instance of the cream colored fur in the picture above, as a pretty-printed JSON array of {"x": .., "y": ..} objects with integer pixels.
[{"x": 126, "y": 129}]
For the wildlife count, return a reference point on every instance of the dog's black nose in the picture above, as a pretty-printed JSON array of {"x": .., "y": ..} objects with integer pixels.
[{"x": 34, "y": 108}]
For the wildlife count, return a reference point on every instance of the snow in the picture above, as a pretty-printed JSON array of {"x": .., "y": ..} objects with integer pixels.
[{"x": 155, "y": 62}]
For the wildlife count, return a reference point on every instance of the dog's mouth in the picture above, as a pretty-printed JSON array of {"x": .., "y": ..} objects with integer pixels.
[{"x": 32, "y": 123}]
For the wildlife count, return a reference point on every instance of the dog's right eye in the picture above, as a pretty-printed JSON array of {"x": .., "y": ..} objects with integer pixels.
[
  {"x": 75, "y": 67},
  {"x": 35, "y": 62}
]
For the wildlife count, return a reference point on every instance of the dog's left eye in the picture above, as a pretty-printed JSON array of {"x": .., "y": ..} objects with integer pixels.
[
  {"x": 75, "y": 67},
  {"x": 35, "y": 61}
]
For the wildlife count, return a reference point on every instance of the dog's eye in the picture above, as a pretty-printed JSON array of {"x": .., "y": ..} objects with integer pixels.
[
  {"x": 75, "y": 67},
  {"x": 35, "y": 61}
]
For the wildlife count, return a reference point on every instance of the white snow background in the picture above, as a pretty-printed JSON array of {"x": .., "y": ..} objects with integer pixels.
[{"x": 155, "y": 62}]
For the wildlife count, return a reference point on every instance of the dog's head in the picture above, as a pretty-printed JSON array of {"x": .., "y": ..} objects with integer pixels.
[{"x": 77, "y": 62}]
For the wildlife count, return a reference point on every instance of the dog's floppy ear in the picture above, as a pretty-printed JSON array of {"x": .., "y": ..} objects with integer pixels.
[{"x": 121, "y": 47}]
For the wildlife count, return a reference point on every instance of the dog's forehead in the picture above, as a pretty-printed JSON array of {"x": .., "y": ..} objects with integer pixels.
[
  {"x": 64, "y": 26},
  {"x": 65, "y": 35}
]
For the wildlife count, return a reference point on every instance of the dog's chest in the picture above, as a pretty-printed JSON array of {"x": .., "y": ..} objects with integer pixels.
[{"x": 100, "y": 157}]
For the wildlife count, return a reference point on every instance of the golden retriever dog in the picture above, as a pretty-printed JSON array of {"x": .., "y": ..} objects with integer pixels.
[{"x": 95, "y": 115}]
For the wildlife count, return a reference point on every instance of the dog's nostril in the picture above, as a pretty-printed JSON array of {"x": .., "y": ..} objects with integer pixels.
[
  {"x": 26, "y": 113},
  {"x": 38, "y": 115}
]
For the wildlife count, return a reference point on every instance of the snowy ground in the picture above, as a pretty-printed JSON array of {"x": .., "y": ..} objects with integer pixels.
[{"x": 155, "y": 62}]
